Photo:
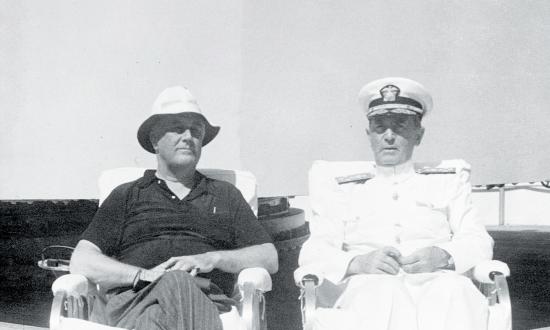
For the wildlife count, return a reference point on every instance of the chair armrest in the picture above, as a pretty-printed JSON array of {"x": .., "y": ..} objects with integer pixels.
[
  {"x": 307, "y": 273},
  {"x": 252, "y": 283},
  {"x": 492, "y": 276},
  {"x": 258, "y": 277},
  {"x": 71, "y": 294},
  {"x": 486, "y": 271},
  {"x": 308, "y": 279},
  {"x": 72, "y": 285}
]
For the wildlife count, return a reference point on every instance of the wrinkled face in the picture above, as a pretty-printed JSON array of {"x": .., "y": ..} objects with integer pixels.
[
  {"x": 178, "y": 142},
  {"x": 393, "y": 137}
]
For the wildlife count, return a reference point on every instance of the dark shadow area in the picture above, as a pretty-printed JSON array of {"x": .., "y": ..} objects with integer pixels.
[{"x": 527, "y": 253}]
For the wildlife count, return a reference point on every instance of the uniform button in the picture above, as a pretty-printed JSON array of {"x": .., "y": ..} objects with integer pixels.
[
  {"x": 173, "y": 197},
  {"x": 398, "y": 229},
  {"x": 158, "y": 181}
]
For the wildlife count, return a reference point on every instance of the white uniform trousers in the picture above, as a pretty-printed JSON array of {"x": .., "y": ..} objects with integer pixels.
[{"x": 428, "y": 301}]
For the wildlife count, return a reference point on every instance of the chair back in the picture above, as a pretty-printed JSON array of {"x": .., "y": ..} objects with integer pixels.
[{"x": 243, "y": 180}]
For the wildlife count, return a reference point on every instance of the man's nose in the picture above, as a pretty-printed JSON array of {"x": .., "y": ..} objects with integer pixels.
[
  {"x": 389, "y": 135},
  {"x": 186, "y": 135}
]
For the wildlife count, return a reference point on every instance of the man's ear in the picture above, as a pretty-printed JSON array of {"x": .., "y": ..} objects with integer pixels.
[
  {"x": 155, "y": 146},
  {"x": 367, "y": 131},
  {"x": 420, "y": 135}
]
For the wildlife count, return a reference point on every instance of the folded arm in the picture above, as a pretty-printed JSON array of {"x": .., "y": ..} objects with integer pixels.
[
  {"x": 324, "y": 252},
  {"x": 88, "y": 260},
  {"x": 230, "y": 261},
  {"x": 470, "y": 243}
]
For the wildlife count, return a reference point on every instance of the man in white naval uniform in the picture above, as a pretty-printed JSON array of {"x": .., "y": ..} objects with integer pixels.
[{"x": 395, "y": 241}]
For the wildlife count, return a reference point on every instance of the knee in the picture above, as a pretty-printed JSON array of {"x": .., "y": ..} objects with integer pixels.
[
  {"x": 382, "y": 283},
  {"x": 453, "y": 283},
  {"x": 176, "y": 277},
  {"x": 151, "y": 318},
  {"x": 452, "y": 280}
]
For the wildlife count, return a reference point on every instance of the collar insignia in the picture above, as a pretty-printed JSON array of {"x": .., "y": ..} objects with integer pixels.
[{"x": 354, "y": 178}]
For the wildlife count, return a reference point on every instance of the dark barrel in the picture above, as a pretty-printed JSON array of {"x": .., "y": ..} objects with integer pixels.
[{"x": 289, "y": 230}]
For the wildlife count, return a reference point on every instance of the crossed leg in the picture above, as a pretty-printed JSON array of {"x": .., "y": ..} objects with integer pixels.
[{"x": 173, "y": 302}]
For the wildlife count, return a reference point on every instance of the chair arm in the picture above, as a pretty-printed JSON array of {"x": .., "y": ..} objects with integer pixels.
[
  {"x": 70, "y": 299},
  {"x": 307, "y": 273},
  {"x": 307, "y": 279},
  {"x": 72, "y": 285},
  {"x": 486, "y": 271},
  {"x": 492, "y": 276},
  {"x": 258, "y": 277},
  {"x": 252, "y": 283}
]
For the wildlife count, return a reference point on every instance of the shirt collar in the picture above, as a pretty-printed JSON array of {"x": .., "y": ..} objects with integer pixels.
[
  {"x": 398, "y": 173},
  {"x": 148, "y": 178},
  {"x": 200, "y": 185}
]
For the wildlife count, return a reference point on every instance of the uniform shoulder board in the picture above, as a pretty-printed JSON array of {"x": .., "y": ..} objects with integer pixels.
[
  {"x": 436, "y": 170},
  {"x": 354, "y": 178}
]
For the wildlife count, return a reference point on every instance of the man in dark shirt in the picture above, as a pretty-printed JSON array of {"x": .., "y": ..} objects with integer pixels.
[{"x": 167, "y": 246}]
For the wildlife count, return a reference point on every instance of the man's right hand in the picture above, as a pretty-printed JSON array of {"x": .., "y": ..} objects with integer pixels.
[{"x": 381, "y": 261}]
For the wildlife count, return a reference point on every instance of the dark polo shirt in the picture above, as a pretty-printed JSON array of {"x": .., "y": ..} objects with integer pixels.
[{"x": 143, "y": 223}]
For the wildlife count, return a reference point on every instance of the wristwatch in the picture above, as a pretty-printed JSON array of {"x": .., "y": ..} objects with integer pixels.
[{"x": 139, "y": 281}]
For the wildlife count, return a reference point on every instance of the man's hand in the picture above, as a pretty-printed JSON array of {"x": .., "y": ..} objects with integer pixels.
[
  {"x": 381, "y": 261},
  {"x": 150, "y": 275},
  {"x": 198, "y": 263},
  {"x": 425, "y": 260}
]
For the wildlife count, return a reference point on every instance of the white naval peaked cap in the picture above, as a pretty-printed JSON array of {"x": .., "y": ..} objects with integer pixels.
[
  {"x": 395, "y": 95},
  {"x": 174, "y": 102}
]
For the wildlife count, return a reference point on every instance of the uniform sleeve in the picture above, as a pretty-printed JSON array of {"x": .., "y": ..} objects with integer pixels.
[
  {"x": 323, "y": 252},
  {"x": 470, "y": 242},
  {"x": 247, "y": 229},
  {"x": 106, "y": 226}
]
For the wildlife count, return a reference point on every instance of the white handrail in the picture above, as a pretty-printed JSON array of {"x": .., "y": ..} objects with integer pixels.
[{"x": 502, "y": 188}]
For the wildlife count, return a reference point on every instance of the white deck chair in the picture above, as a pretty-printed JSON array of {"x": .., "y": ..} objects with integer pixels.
[
  {"x": 73, "y": 294},
  {"x": 490, "y": 275}
]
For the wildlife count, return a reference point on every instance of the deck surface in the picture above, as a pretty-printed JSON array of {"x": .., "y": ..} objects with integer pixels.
[{"x": 12, "y": 326}]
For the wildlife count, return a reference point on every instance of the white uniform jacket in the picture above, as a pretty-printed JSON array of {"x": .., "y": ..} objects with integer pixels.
[{"x": 407, "y": 206}]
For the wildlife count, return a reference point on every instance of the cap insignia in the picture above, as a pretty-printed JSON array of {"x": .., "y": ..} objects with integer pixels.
[{"x": 389, "y": 93}]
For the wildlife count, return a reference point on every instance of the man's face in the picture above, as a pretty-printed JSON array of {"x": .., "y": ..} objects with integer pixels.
[
  {"x": 179, "y": 141},
  {"x": 393, "y": 137}
]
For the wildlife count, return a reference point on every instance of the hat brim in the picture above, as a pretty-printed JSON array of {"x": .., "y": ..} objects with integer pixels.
[{"x": 144, "y": 130}]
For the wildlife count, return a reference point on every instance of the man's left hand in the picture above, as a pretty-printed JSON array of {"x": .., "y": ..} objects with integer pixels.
[
  {"x": 199, "y": 263},
  {"x": 425, "y": 260}
]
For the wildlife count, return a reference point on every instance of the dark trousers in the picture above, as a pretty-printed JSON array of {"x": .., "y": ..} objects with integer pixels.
[{"x": 173, "y": 302}]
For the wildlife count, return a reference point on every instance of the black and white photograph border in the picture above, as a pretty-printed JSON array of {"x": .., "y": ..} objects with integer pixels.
[{"x": 282, "y": 80}]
